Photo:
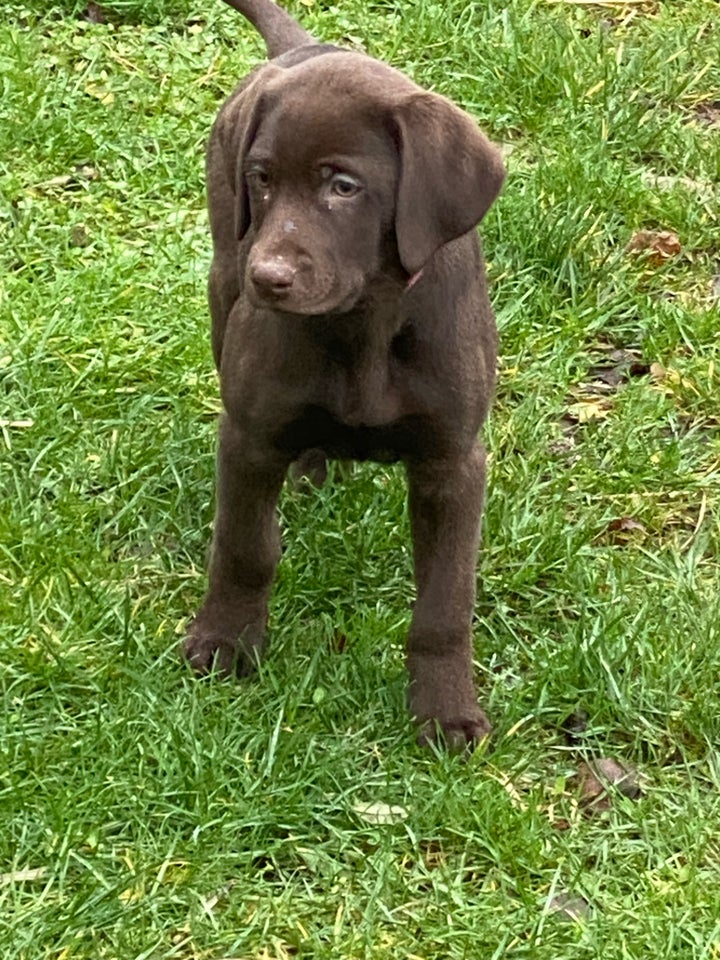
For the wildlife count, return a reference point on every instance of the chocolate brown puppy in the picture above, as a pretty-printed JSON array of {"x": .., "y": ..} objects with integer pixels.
[{"x": 350, "y": 319}]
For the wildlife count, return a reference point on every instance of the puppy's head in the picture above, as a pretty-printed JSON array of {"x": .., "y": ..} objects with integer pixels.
[{"x": 344, "y": 171}]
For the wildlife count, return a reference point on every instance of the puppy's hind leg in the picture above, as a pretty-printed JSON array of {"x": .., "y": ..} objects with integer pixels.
[{"x": 309, "y": 470}]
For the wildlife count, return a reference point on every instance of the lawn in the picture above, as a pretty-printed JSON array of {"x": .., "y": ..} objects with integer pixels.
[{"x": 145, "y": 815}]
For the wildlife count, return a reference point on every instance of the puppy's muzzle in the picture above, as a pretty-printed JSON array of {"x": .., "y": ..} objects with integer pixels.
[{"x": 272, "y": 277}]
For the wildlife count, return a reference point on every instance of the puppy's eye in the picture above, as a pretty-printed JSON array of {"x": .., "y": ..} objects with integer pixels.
[
  {"x": 343, "y": 185},
  {"x": 258, "y": 176}
]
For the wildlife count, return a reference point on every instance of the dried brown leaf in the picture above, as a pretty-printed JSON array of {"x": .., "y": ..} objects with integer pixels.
[
  {"x": 561, "y": 824},
  {"x": 593, "y": 796},
  {"x": 658, "y": 245},
  {"x": 606, "y": 379},
  {"x": 598, "y": 779},
  {"x": 625, "y": 524},
  {"x": 622, "y": 776},
  {"x": 617, "y": 367},
  {"x": 623, "y": 530},
  {"x": 708, "y": 112}
]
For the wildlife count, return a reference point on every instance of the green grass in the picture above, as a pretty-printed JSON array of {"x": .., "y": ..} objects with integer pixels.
[{"x": 146, "y": 815}]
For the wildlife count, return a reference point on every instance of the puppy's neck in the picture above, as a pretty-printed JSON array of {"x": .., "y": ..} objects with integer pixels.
[{"x": 369, "y": 326}]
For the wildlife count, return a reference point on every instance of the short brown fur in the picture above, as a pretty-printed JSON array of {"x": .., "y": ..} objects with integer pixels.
[{"x": 350, "y": 319}]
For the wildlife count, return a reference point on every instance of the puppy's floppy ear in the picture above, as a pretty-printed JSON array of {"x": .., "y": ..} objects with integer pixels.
[
  {"x": 237, "y": 127},
  {"x": 450, "y": 173}
]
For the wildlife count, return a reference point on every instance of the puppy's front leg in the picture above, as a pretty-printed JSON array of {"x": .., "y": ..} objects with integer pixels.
[
  {"x": 445, "y": 500},
  {"x": 229, "y": 632}
]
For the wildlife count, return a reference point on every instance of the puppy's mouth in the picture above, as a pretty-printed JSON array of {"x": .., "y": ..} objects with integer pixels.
[{"x": 296, "y": 299}]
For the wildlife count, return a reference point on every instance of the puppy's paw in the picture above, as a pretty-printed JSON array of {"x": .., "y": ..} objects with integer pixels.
[
  {"x": 443, "y": 702},
  {"x": 208, "y": 651},
  {"x": 458, "y": 734}
]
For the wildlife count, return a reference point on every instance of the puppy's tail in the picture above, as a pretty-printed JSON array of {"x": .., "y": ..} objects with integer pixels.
[{"x": 277, "y": 28}]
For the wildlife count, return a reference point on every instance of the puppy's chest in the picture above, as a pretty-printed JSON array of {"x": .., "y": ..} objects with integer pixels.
[{"x": 366, "y": 372}]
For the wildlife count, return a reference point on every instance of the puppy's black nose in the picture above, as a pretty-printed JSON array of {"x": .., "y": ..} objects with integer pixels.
[{"x": 274, "y": 276}]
